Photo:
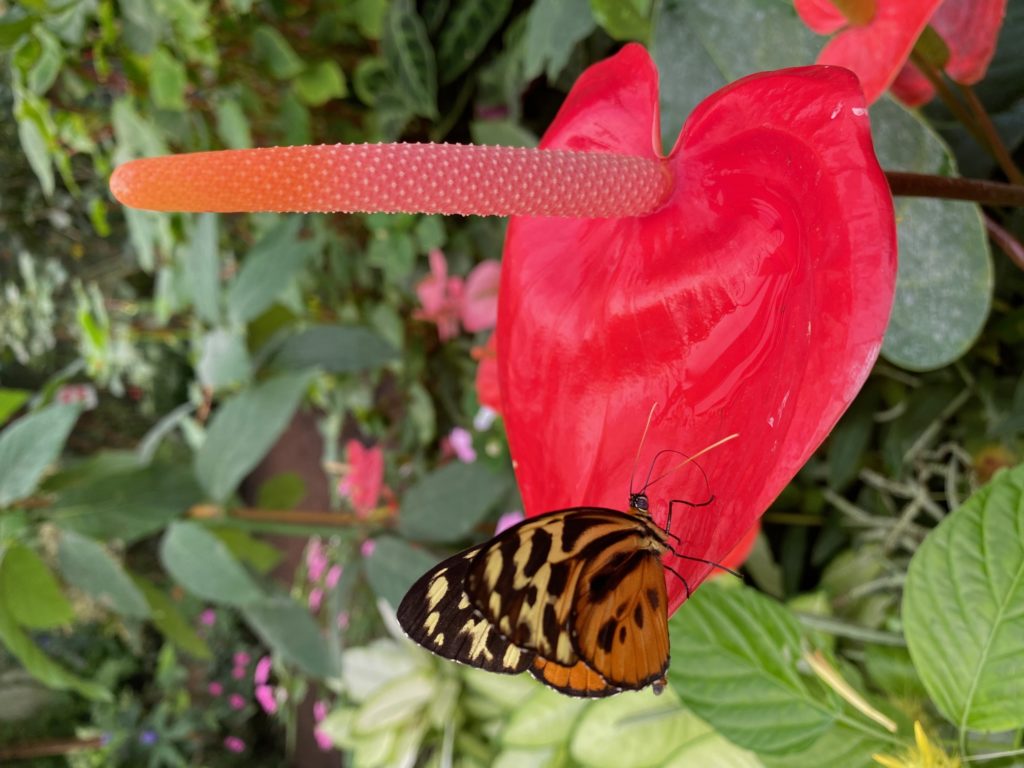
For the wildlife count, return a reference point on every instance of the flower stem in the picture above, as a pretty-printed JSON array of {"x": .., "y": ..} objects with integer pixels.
[
  {"x": 398, "y": 178},
  {"x": 952, "y": 188},
  {"x": 991, "y": 135},
  {"x": 1008, "y": 244}
]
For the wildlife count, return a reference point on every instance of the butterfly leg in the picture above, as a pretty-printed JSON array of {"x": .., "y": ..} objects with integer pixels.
[
  {"x": 682, "y": 578},
  {"x": 668, "y": 524}
]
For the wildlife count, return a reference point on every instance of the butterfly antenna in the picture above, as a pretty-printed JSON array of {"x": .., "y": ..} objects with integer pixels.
[
  {"x": 691, "y": 459},
  {"x": 643, "y": 437}
]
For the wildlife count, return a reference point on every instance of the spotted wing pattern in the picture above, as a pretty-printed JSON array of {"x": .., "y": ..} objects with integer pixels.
[
  {"x": 575, "y": 680},
  {"x": 437, "y": 614}
]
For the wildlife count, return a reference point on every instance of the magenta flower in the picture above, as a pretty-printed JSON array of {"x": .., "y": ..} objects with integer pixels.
[
  {"x": 460, "y": 441},
  {"x": 208, "y": 617},
  {"x": 234, "y": 744},
  {"x": 367, "y": 548},
  {"x": 266, "y": 699},
  {"x": 236, "y": 701},
  {"x": 507, "y": 520},
  {"x": 316, "y": 597},
  {"x": 333, "y": 576},
  {"x": 316, "y": 559},
  {"x": 319, "y": 713},
  {"x": 241, "y": 659},
  {"x": 215, "y": 689},
  {"x": 262, "y": 672}
]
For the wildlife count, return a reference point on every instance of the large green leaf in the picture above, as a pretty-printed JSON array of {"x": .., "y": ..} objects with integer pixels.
[
  {"x": 963, "y": 608},
  {"x": 410, "y": 57},
  {"x": 268, "y": 269},
  {"x": 553, "y": 28},
  {"x": 34, "y": 598},
  {"x": 332, "y": 348},
  {"x": 88, "y": 566},
  {"x": 944, "y": 286},
  {"x": 11, "y": 400},
  {"x": 29, "y": 446},
  {"x": 735, "y": 665},
  {"x": 203, "y": 564},
  {"x": 839, "y": 746},
  {"x": 41, "y": 666},
  {"x": 623, "y": 19},
  {"x": 394, "y": 566},
  {"x": 288, "y": 628},
  {"x": 168, "y": 619},
  {"x": 467, "y": 28},
  {"x": 449, "y": 503},
  {"x": 546, "y": 719},
  {"x": 126, "y": 504},
  {"x": 202, "y": 267},
  {"x": 244, "y": 429}
]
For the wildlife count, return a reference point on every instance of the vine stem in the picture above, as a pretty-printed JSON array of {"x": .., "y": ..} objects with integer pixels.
[{"x": 996, "y": 193}]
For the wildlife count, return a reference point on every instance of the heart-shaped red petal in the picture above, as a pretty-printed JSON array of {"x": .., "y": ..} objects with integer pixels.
[{"x": 753, "y": 302}]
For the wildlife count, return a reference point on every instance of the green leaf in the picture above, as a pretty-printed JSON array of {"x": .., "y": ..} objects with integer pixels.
[
  {"x": 28, "y": 587},
  {"x": 395, "y": 703},
  {"x": 547, "y": 718},
  {"x": 29, "y": 446},
  {"x": 623, "y": 19},
  {"x": 553, "y": 28},
  {"x": 282, "y": 491},
  {"x": 258, "y": 555},
  {"x": 202, "y": 266},
  {"x": 839, "y": 746},
  {"x": 701, "y": 45},
  {"x": 232, "y": 124},
  {"x": 944, "y": 286},
  {"x": 168, "y": 619},
  {"x": 334, "y": 349},
  {"x": 10, "y": 401},
  {"x": 739, "y": 671},
  {"x": 268, "y": 269},
  {"x": 962, "y": 608},
  {"x": 87, "y": 565},
  {"x": 42, "y": 667},
  {"x": 503, "y": 133},
  {"x": 223, "y": 359},
  {"x": 410, "y": 58},
  {"x": 321, "y": 83},
  {"x": 37, "y": 152},
  {"x": 273, "y": 49},
  {"x": 126, "y": 504},
  {"x": 449, "y": 503},
  {"x": 288, "y": 628},
  {"x": 244, "y": 429},
  {"x": 14, "y": 31},
  {"x": 203, "y": 565},
  {"x": 167, "y": 81},
  {"x": 630, "y": 730},
  {"x": 702, "y": 745},
  {"x": 394, "y": 566},
  {"x": 466, "y": 30}
]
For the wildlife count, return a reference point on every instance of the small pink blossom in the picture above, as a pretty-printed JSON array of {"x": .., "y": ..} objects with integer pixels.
[
  {"x": 364, "y": 479},
  {"x": 236, "y": 701},
  {"x": 480, "y": 297},
  {"x": 316, "y": 596},
  {"x": 440, "y": 297},
  {"x": 238, "y": 673},
  {"x": 319, "y": 713},
  {"x": 322, "y": 740},
  {"x": 83, "y": 394},
  {"x": 234, "y": 744},
  {"x": 262, "y": 672},
  {"x": 208, "y": 617},
  {"x": 316, "y": 559},
  {"x": 215, "y": 689},
  {"x": 241, "y": 659},
  {"x": 319, "y": 710},
  {"x": 267, "y": 700},
  {"x": 507, "y": 520},
  {"x": 343, "y": 620},
  {"x": 461, "y": 443},
  {"x": 333, "y": 576},
  {"x": 367, "y": 547}
]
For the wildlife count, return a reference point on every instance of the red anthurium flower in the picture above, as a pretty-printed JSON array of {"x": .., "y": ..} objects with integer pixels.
[
  {"x": 487, "y": 390},
  {"x": 753, "y": 301},
  {"x": 742, "y": 284},
  {"x": 875, "y": 37},
  {"x": 970, "y": 29}
]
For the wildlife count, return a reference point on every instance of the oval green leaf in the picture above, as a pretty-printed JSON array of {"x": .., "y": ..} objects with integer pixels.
[
  {"x": 963, "y": 608},
  {"x": 33, "y": 596},
  {"x": 29, "y": 446},
  {"x": 394, "y": 566},
  {"x": 447, "y": 504},
  {"x": 87, "y": 565},
  {"x": 289, "y": 629},
  {"x": 203, "y": 565}
]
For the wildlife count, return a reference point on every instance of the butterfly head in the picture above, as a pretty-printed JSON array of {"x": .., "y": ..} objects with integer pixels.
[{"x": 640, "y": 503}]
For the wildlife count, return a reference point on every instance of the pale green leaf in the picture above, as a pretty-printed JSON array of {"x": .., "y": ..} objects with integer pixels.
[
  {"x": 30, "y": 590},
  {"x": 167, "y": 81},
  {"x": 87, "y": 565},
  {"x": 168, "y": 619},
  {"x": 29, "y": 446},
  {"x": 203, "y": 565},
  {"x": 394, "y": 566},
  {"x": 289, "y": 629},
  {"x": 202, "y": 267},
  {"x": 332, "y": 348},
  {"x": 547, "y": 718},
  {"x": 321, "y": 83},
  {"x": 450, "y": 502},
  {"x": 553, "y": 28},
  {"x": 623, "y": 19}
]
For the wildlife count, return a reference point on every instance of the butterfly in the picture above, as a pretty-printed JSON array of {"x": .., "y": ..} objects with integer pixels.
[{"x": 576, "y": 597}]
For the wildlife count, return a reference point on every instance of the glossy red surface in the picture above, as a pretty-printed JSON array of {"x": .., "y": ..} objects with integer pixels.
[{"x": 753, "y": 302}]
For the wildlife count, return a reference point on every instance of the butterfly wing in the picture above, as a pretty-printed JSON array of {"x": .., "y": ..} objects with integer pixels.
[
  {"x": 620, "y": 617},
  {"x": 575, "y": 680},
  {"x": 525, "y": 580},
  {"x": 437, "y": 614}
]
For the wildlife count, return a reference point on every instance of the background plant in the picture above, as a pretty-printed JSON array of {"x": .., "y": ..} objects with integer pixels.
[{"x": 203, "y": 337}]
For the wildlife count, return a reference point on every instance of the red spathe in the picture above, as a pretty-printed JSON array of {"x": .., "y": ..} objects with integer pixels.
[{"x": 753, "y": 302}]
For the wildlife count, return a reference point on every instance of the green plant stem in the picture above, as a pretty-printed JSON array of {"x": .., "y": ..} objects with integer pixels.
[
  {"x": 949, "y": 98},
  {"x": 1007, "y": 243},
  {"x": 992, "y": 138},
  {"x": 995, "y": 193}
]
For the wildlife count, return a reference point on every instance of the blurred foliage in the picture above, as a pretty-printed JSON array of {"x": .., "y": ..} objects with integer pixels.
[{"x": 194, "y": 342}]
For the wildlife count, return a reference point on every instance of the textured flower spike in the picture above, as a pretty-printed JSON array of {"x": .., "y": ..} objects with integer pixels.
[{"x": 396, "y": 178}]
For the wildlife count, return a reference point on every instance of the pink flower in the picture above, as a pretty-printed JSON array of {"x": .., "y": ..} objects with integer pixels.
[
  {"x": 215, "y": 689},
  {"x": 238, "y": 673},
  {"x": 208, "y": 617},
  {"x": 262, "y": 672},
  {"x": 320, "y": 710},
  {"x": 333, "y": 576},
  {"x": 343, "y": 620},
  {"x": 83, "y": 394},
  {"x": 241, "y": 659},
  {"x": 367, "y": 547},
  {"x": 480, "y": 297},
  {"x": 319, "y": 713},
  {"x": 364, "y": 480},
  {"x": 267, "y": 700},
  {"x": 507, "y": 520},
  {"x": 234, "y": 744},
  {"x": 440, "y": 297},
  {"x": 461, "y": 443},
  {"x": 316, "y": 560},
  {"x": 236, "y": 701},
  {"x": 316, "y": 596}
]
